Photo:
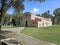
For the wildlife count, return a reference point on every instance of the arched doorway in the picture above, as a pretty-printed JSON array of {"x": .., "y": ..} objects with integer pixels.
[{"x": 26, "y": 23}]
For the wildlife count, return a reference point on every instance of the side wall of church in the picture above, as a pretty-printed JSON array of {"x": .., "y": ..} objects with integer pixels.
[{"x": 44, "y": 24}]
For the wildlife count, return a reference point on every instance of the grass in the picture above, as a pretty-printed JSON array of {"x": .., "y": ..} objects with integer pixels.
[{"x": 50, "y": 34}]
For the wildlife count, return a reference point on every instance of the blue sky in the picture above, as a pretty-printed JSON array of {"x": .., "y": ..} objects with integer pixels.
[{"x": 39, "y": 8}]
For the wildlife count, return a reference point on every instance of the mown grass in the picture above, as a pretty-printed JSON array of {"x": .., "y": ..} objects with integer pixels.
[{"x": 50, "y": 34}]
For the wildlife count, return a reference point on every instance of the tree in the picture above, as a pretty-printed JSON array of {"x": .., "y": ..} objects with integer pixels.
[
  {"x": 48, "y": 15},
  {"x": 6, "y": 4},
  {"x": 18, "y": 18},
  {"x": 6, "y": 19},
  {"x": 38, "y": 14},
  {"x": 57, "y": 15}
]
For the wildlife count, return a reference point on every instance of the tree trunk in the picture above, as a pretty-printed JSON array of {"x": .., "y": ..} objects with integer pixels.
[
  {"x": 2, "y": 13},
  {"x": 0, "y": 31},
  {"x": 0, "y": 24}
]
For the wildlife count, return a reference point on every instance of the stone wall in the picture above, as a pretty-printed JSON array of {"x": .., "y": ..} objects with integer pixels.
[{"x": 26, "y": 18}]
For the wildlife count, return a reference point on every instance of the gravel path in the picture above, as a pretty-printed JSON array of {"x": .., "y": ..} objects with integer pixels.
[
  {"x": 16, "y": 30},
  {"x": 22, "y": 38}
]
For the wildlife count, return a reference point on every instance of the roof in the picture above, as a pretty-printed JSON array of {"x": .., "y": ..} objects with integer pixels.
[
  {"x": 27, "y": 13},
  {"x": 37, "y": 18}
]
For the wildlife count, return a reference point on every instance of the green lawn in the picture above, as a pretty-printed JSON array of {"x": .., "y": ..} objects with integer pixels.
[{"x": 50, "y": 34}]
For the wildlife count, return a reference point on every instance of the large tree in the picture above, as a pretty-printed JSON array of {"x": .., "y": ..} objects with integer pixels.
[
  {"x": 57, "y": 15},
  {"x": 6, "y": 4}
]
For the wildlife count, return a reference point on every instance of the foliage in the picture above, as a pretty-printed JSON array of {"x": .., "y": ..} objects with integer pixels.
[
  {"x": 48, "y": 15},
  {"x": 13, "y": 19},
  {"x": 49, "y": 34},
  {"x": 57, "y": 15},
  {"x": 17, "y": 18},
  {"x": 16, "y": 4},
  {"x": 38, "y": 14},
  {"x": 6, "y": 19},
  {"x": 6, "y": 4}
]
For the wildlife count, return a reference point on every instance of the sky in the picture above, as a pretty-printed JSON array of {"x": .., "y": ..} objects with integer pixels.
[{"x": 39, "y": 8}]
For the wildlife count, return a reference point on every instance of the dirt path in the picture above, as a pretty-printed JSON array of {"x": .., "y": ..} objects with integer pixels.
[{"x": 22, "y": 38}]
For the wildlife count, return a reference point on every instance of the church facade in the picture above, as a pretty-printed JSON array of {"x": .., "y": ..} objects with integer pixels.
[{"x": 30, "y": 20}]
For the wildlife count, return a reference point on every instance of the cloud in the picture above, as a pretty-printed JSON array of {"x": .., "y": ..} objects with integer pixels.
[{"x": 35, "y": 10}]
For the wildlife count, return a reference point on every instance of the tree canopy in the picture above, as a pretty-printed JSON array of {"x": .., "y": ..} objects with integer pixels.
[
  {"x": 6, "y": 4},
  {"x": 57, "y": 15},
  {"x": 46, "y": 14}
]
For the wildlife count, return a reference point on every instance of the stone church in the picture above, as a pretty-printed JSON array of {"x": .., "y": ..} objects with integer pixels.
[{"x": 30, "y": 20}]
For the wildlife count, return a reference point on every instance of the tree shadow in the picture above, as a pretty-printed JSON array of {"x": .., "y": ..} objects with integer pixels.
[
  {"x": 2, "y": 37},
  {"x": 3, "y": 34}
]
